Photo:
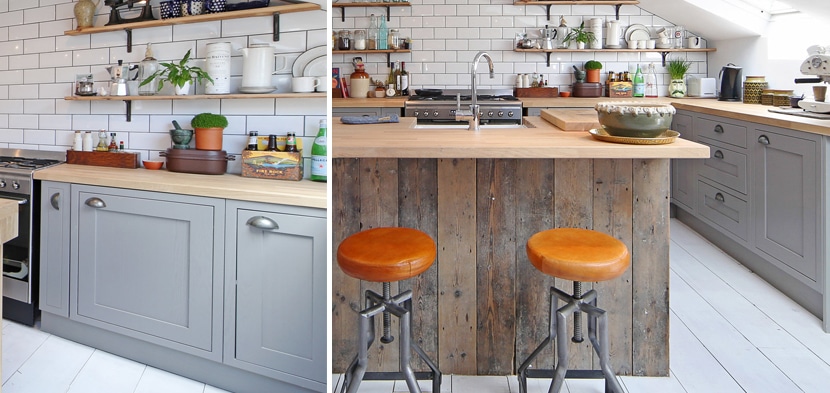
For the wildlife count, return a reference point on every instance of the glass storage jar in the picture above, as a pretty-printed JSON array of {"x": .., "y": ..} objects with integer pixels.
[
  {"x": 394, "y": 39},
  {"x": 344, "y": 40},
  {"x": 359, "y": 40}
]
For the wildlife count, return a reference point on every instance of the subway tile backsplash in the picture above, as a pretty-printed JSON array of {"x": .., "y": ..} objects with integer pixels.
[
  {"x": 38, "y": 64},
  {"x": 446, "y": 35}
]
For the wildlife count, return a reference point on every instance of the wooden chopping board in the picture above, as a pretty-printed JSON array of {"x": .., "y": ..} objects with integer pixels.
[{"x": 572, "y": 119}]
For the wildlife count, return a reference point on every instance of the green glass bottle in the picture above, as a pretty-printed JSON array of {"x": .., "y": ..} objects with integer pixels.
[
  {"x": 639, "y": 83},
  {"x": 319, "y": 155}
]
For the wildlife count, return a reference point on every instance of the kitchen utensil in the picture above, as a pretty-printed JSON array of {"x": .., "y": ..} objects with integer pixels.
[
  {"x": 730, "y": 83},
  {"x": 635, "y": 27},
  {"x": 794, "y": 100},
  {"x": 571, "y": 119},
  {"x": 305, "y": 84},
  {"x": 635, "y": 119},
  {"x": 819, "y": 92},
  {"x": 181, "y": 138},
  {"x": 695, "y": 42},
  {"x": 753, "y": 87},
  {"x": 701, "y": 87},
  {"x": 192, "y": 7}
]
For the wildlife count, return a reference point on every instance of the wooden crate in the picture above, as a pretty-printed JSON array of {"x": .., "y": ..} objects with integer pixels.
[
  {"x": 537, "y": 92},
  {"x": 102, "y": 158}
]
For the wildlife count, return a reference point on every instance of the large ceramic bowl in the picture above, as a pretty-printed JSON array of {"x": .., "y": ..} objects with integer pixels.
[{"x": 635, "y": 119}]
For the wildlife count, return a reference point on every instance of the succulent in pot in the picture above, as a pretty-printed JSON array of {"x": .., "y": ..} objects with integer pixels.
[
  {"x": 208, "y": 129},
  {"x": 180, "y": 75}
]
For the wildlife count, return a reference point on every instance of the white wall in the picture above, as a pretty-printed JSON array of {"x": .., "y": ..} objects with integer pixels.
[
  {"x": 38, "y": 65},
  {"x": 447, "y": 34}
]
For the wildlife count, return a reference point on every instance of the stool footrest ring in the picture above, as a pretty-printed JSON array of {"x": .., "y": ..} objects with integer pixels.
[
  {"x": 570, "y": 374},
  {"x": 397, "y": 376}
]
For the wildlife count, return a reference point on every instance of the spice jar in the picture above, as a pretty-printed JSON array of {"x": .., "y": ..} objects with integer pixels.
[
  {"x": 359, "y": 41},
  {"x": 344, "y": 40},
  {"x": 359, "y": 81},
  {"x": 393, "y": 40}
]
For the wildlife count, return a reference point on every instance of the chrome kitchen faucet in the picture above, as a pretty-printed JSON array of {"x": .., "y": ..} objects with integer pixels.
[{"x": 473, "y": 116}]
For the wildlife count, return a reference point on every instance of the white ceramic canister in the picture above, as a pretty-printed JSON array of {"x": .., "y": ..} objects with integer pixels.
[{"x": 218, "y": 66}]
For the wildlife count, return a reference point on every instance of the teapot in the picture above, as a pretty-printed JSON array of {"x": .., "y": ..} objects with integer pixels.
[{"x": 259, "y": 61}]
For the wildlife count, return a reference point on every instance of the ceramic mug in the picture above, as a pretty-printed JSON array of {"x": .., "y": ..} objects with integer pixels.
[
  {"x": 695, "y": 42},
  {"x": 322, "y": 83},
  {"x": 632, "y": 44},
  {"x": 304, "y": 84},
  {"x": 191, "y": 7}
]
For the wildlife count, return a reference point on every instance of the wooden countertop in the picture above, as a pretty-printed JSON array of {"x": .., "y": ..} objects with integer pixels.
[
  {"x": 543, "y": 140},
  {"x": 754, "y": 113},
  {"x": 393, "y": 102},
  {"x": 297, "y": 193}
]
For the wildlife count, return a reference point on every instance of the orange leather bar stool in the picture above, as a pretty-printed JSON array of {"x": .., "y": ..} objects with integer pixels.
[
  {"x": 386, "y": 255},
  {"x": 577, "y": 255}
]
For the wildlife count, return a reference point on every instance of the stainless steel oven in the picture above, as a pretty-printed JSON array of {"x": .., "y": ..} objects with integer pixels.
[{"x": 20, "y": 255}]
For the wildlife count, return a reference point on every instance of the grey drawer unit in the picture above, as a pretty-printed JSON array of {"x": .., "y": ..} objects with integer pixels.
[
  {"x": 725, "y": 166},
  {"x": 724, "y": 209},
  {"x": 718, "y": 130}
]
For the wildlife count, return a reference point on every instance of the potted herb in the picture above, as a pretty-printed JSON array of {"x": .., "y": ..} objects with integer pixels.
[
  {"x": 592, "y": 68},
  {"x": 580, "y": 35},
  {"x": 180, "y": 75},
  {"x": 208, "y": 129},
  {"x": 677, "y": 70}
]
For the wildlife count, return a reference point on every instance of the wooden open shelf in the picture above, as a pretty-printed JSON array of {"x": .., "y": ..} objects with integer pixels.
[
  {"x": 663, "y": 52},
  {"x": 547, "y": 3},
  {"x": 365, "y": 4},
  {"x": 287, "y": 6},
  {"x": 388, "y": 52}
]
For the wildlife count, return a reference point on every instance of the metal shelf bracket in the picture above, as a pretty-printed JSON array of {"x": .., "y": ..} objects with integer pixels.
[
  {"x": 664, "y": 54},
  {"x": 276, "y": 26},
  {"x": 548, "y": 56},
  {"x": 547, "y": 10},
  {"x": 129, "y": 40},
  {"x": 129, "y": 104}
]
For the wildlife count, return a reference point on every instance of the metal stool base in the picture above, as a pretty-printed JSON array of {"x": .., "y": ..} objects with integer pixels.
[
  {"x": 597, "y": 334},
  {"x": 377, "y": 304}
]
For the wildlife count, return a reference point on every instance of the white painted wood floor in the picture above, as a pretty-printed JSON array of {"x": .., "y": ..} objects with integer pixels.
[
  {"x": 730, "y": 332},
  {"x": 38, "y": 362}
]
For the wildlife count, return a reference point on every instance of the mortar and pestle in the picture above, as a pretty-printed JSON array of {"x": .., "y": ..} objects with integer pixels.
[
  {"x": 181, "y": 137},
  {"x": 579, "y": 75}
]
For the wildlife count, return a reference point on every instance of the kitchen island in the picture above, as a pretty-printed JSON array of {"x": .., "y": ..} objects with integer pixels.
[
  {"x": 482, "y": 307},
  {"x": 218, "y": 278}
]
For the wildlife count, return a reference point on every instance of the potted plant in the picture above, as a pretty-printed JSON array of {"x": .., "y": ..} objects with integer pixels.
[
  {"x": 677, "y": 69},
  {"x": 592, "y": 68},
  {"x": 208, "y": 129},
  {"x": 580, "y": 35},
  {"x": 180, "y": 75}
]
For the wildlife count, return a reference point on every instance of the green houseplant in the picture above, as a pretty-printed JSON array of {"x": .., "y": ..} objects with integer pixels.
[
  {"x": 180, "y": 75},
  {"x": 208, "y": 129},
  {"x": 677, "y": 70},
  {"x": 592, "y": 68},
  {"x": 580, "y": 35}
]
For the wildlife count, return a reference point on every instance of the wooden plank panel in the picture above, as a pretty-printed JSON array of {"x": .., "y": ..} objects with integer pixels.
[
  {"x": 612, "y": 215},
  {"x": 379, "y": 208},
  {"x": 534, "y": 211},
  {"x": 650, "y": 273},
  {"x": 496, "y": 265},
  {"x": 573, "y": 202},
  {"x": 345, "y": 290},
  {"x": 417, "y": 208},
  {"x": 457, "y": 317}
]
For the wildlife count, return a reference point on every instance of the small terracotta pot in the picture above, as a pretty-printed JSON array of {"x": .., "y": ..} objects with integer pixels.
[
  {"x": 592, "y": 76},
  {"x": 208, "y": 138}
]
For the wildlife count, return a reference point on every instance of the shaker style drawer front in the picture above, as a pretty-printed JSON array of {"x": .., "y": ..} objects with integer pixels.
[
  {"x": 724, "y": 209},
  {"x": 726, "y": 167},
  {"x": 721, "y": 131}
]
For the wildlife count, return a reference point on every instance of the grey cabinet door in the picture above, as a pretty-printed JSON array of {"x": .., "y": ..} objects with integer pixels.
[
  {"x": 276, "y": 295},
  {"x": 683, "y": 175},
  {"x": 785, "y": 199},
  {"x": 54, "y": 248},
  {"x": 149, "y": 265}
]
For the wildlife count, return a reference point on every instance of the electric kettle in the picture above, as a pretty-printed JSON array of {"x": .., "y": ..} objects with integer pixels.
[{"x": 730, "y": 83}]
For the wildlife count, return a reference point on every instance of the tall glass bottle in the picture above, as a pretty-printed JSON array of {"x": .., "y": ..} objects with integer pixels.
[
  {"x": 382, "y": 33},
  {"x": 391, "y": 81},
  {"x": 651, "y": 82},
  {"x": 148, "y": 67},
  {"x": 639, "y": 86},
  {"x": 319, "y": 155},
  {"x": 404, "y": 80},
  {"x": 372, "y": 43}
]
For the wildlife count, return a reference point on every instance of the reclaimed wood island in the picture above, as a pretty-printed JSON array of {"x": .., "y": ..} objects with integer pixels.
[{"x": 482, "y": 307}]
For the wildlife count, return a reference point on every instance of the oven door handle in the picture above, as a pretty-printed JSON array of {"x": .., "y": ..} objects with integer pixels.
[{"x": 20, "y": 201}]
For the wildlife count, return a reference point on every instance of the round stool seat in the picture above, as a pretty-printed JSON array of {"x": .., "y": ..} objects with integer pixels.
[
  {"x": 386, "y": 254},
  {"x": 578, "y": 254}
]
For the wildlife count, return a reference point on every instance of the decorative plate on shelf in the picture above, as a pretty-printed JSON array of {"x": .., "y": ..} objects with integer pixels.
[
  {"x": 307, "y": 57},
  {"x": 665, "y": 138},
  {"x": 635, "y": 27}
]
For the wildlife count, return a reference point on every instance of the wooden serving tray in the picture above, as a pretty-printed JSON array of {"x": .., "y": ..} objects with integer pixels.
[{"x": 101, "y": 158}]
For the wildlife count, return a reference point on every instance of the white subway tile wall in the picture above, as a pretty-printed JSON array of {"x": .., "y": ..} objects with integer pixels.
[
  {"x": 38, "y": 64},
  {"x": 446, "y": 35}
]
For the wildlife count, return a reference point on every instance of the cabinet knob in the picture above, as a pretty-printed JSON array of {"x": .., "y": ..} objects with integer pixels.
[
  {"x": 96, "y": 203},
  {"x": 718, "y": 154},
  {"x": 55, "y": 201},
  {"x": 719, "y": 129},
  {"x": 763, "y": 140},
  {"x": 263, "y": 223},
  {"x": 719, "y": 197}
]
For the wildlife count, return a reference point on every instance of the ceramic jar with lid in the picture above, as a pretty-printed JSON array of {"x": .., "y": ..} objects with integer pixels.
[
  {"x": 359, "y": 40},
  {"x": 767, "y": 96},
  {"x": 359, "y": 82},
  {"x": 782, "y": 97},
  {"x": 753, "y": 88}
]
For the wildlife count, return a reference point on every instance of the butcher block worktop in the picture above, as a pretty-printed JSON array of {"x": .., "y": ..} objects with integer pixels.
[
  {"x": 296, "y": 193},
  {"x": 540, "y": 140}
]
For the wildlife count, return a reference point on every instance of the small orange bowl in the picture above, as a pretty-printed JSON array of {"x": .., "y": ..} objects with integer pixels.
[
  {"x": 564, "y": 94},
  {"x": 153, "y": 165}
]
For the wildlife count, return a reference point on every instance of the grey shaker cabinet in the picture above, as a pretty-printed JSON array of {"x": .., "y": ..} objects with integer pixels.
[
  {"x": 149, "y": 266},
  {"x": 684, "y": 180},
  {"x": 54, "y": 248},
  {"x": 275, "y": 290},
  {"x": 786, "y": 199}
]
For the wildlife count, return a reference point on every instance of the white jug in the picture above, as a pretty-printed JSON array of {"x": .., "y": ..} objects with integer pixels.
[
  {"x": 613, "y": 34},
  {"x": 258, "y": 66}
]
